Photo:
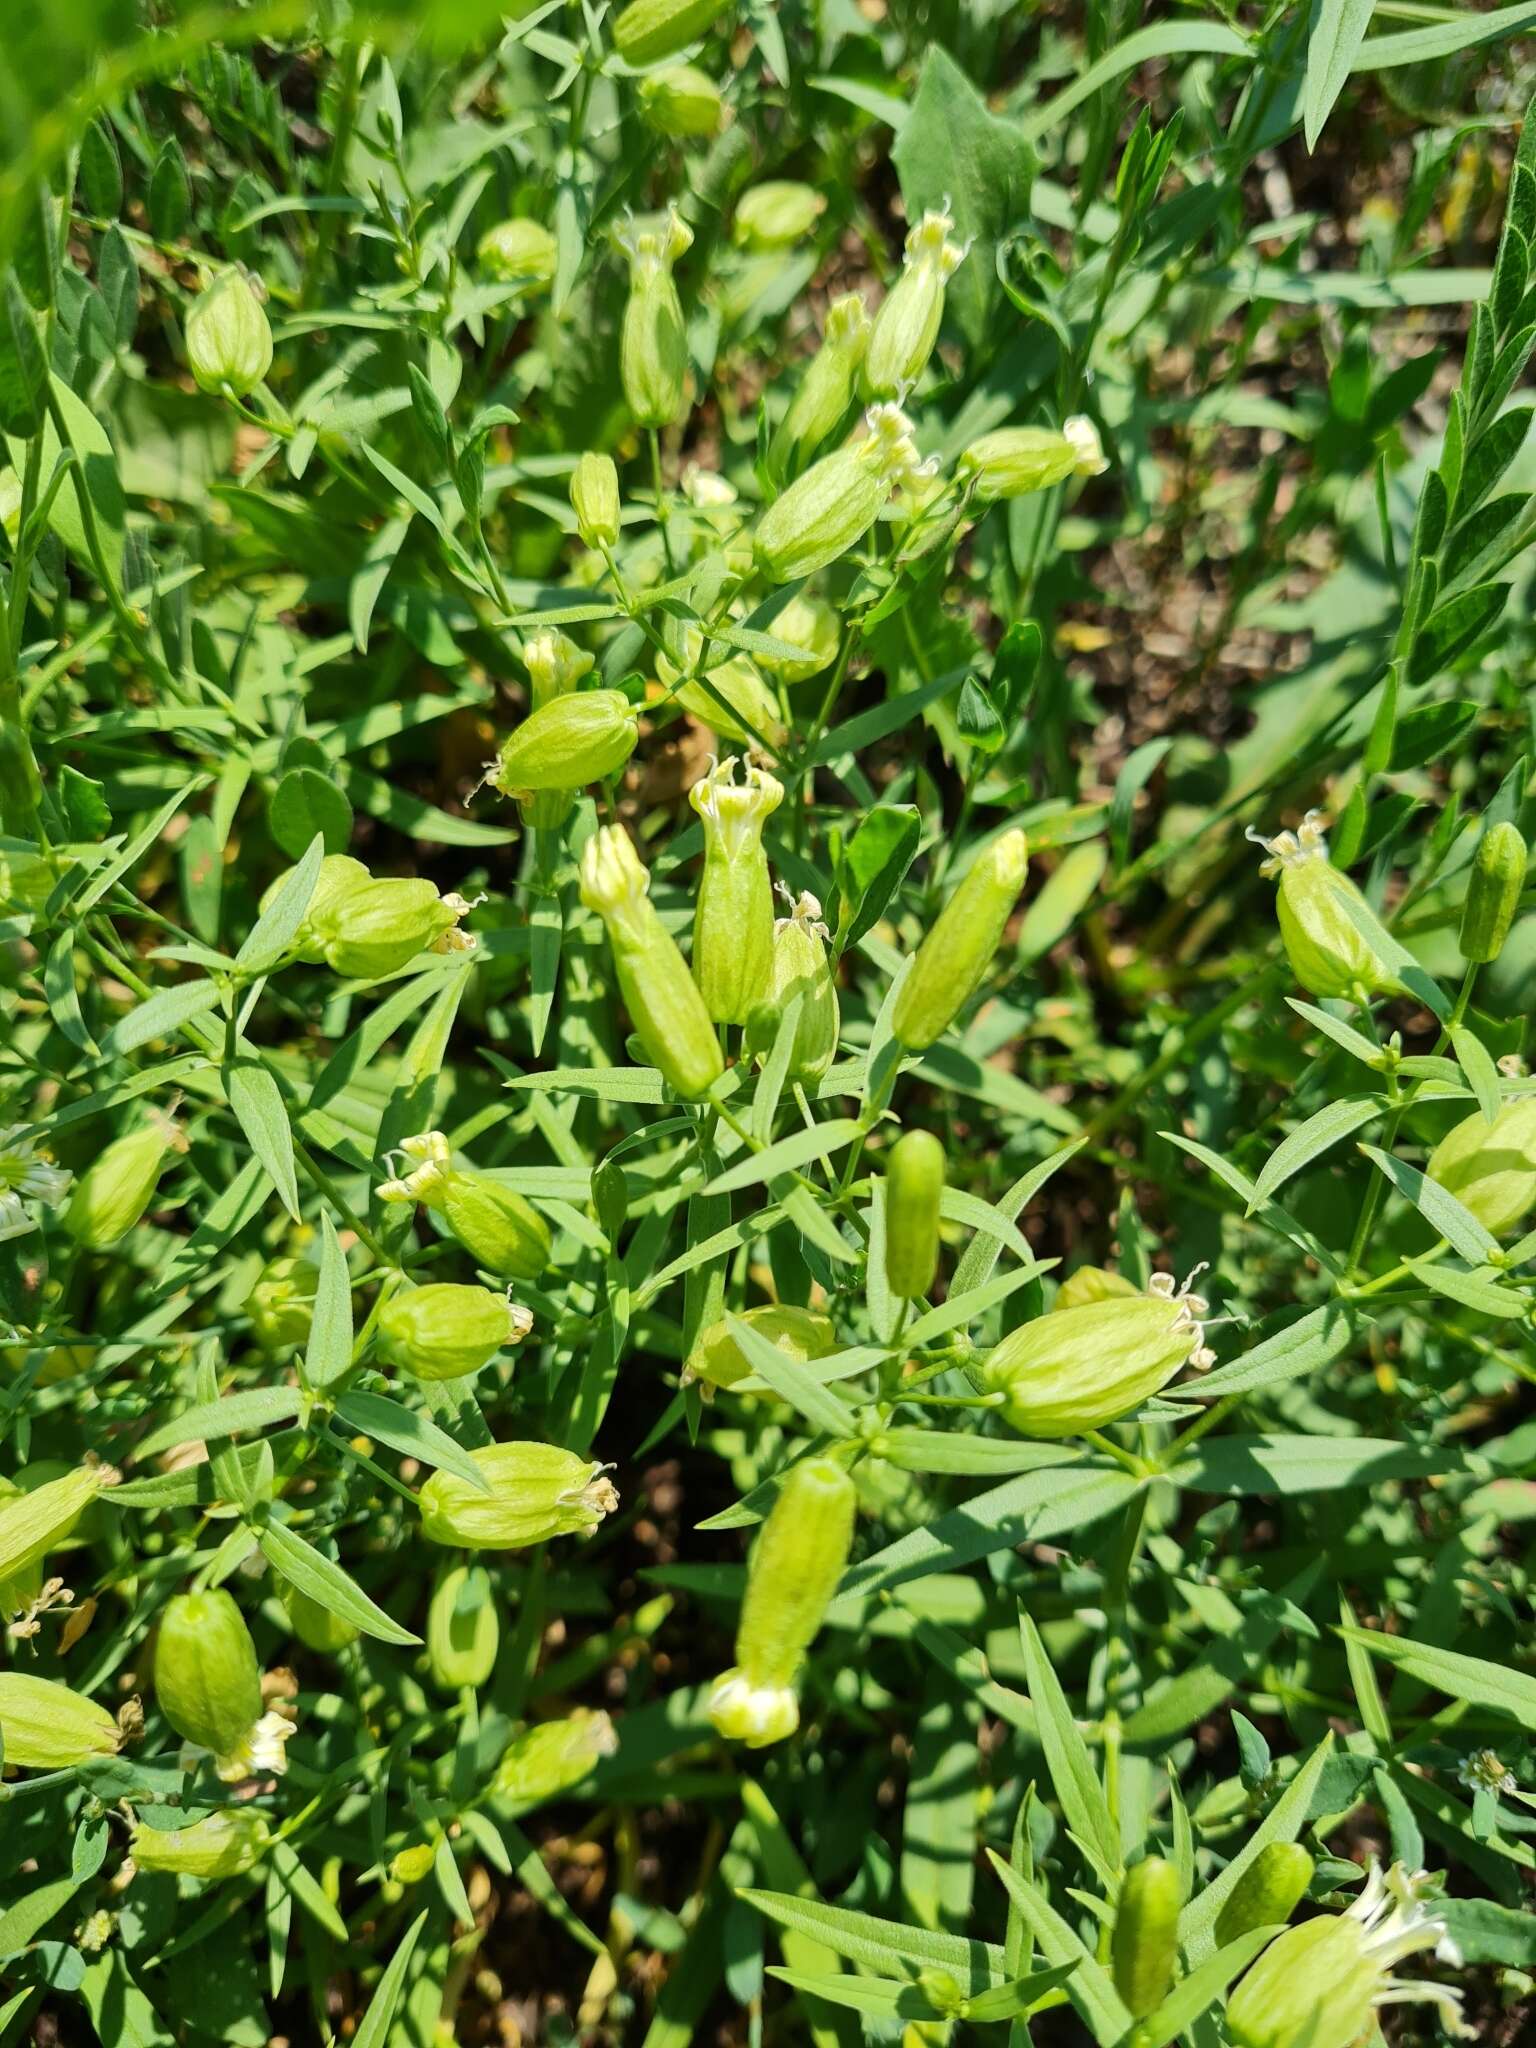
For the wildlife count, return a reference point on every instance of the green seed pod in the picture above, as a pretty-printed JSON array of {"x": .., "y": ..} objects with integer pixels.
[
  {"x": 949, "y": 964},
  {"x": 463, "y": 1630},
  {"x": 1321, "y": 1984},
  {"x": 662, "y": 998},
  {"x": 907, "y": 322},
  {"x": 1146, "y": 1938},
  {"x": 1491, "y": 1168},
  {"x": 117, "y": 1187},
  {"x": 1493, "y": 893},
  {"x": 224, "y": 1844},
  {"x": 445, "y": 1332},
  {"x": 914, "y": 1188},
  {"x": 39, "y": 1519},
  {"x": 315, "y": 1626},
  {"x": 543, "y": 1761},
  {"x": 1267, "y": 1893},
  {"x": 1016, "y": 460},
  {"x": 229, "y": 344},
  {"x": 653, "y": 345},
  {"x": 796, "y": 1564},
  {"x": 568, "y": 743},
  {"x": 595, "y": 501},
  {"x": 801, "y": 967},
  {"x": 649, "y": 30},
  {"x": 801, "y": 1334},
  {"x": 682, "y": 101},
  {"x": 826, "y": 390},
  {"x": 46, "y": 1727},
  {"x": 776, "y": 214},
  {"x": 506, "y": 1234},
  {"x": 807, "y": 622},
  {"x": 536, "y": 1492},
  {"x": 367, "y": 929},
  {"x": 833, "y": 505},
  {"x": 519, "y": 252},
  {"x": 733, "y": 924},
  {"x": 207, "y": 1679},
  {"x": 750, "y": 713},
  {"x": 1329, "y": 955},
  {"x": 1078, "y": 1368},
  {"x": 1092, "y": 1283},
  {"x": 282, "y": 1303}
]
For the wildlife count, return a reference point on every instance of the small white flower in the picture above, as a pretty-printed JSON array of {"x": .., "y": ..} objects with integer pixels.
[
  {"x": 24, "y": 1176},
  {"x": 262, "y": 1753},
  {"x": 1291, "y": 849}
]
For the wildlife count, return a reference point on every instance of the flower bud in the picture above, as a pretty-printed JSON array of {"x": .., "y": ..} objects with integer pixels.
[
  {"x": 809, "y": 623},
  {"x": 733, "y": 924},
  {"x": 1092, "y": 1283},
  {"x": 796, "y": 1564},
  {"x": 1078, "y": 1368},
  {"x": 952, "y": 959},
  {"x": 653, "y": 345},
  {"x": 1320, "y": 1985},
  {"x": 46, "y": 1727},
  {"x": 682, "y": 101},
  {"x": 826, "y": 389},
  {"x": 663, "y": 1000},
  {"x": 519, "y": 252},
  {"x": 914, "y": 1187},
  {"x": 1146, "y": 1937},
  {"x": 1267, "y": 1893},
  {"x": 567, "y": 743},
  {"x": 1491, "y": 1168},
  {"x": 1014, "y": 460},
  {"x": 282, "y": 1303},
  {"x": 543, "y": 1761},
  {"x": 595, "y": 500},
  {"x": 536, "y": 1492},
  {"x": 36, "y": 1521},
  {"x": 799, "y": 966},
  {"x": 907, "y": 322},
  {"x": 801, "y": 1334},
  {"x": 207, "y": 1679},
  {"x": 445, "y": 1332},
  {"x": 463, "y": 1630},
  {"x": 410, "y": 1865},
  {"x": 1329, "y": 954},
  {"x": 229, "y": 344},
  {"x": 833, "y": 505},
  {"x": 495, "y": 1225},
  {"x": 750, "y": 712},
  {"x": 315, "y": 1626},
  {"x": 649, "y": 30},
  {"x": 776, "y": 214},
  {"x": 224, "y": 1844},
  {"x": 1493, "y": 893},
  {"x": 117, "y": 1187}
]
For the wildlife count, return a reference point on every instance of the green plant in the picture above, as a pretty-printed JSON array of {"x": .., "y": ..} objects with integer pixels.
[{"x": 485, "y": 504}]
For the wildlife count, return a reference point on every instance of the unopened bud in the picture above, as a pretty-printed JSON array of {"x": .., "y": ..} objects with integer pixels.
[
  {"x": 800, "y": 1333},
  {"x": 1015, "y": 460},
  {"x": 463, "y": 1629},
  {"x": 914, "y": 1188},
  {"x": 682, "y": 101},
  {"x": 1329, "y": 954},
  {"x": 1267, "y": 1893},
  {"x": 951, "y": 961},
  {"x": 653, "y": 345},
  {"x": 595, "y": 500},
  {"x": 795, "y": 1568},
  {"x": 1078, "y": 1368},
  {"x": 46, "y": 1727},
  {"x": 1491, "y": 1168},
  {"x": 519, "y": 252},
  {"x": 800, "y": 966},
  {"x": 223, "y": 1844},
  {"x": 663, "y": 1000},
  {"x": 548, "y": 1759},
  {"x": 826, "y": 389},
  {"x": 832, "y": 506},
  {"x": 1493, "y": 893},
  {"x": 733, "y": 924},
  {"x": 282, "y": 1303},
  {"x": 649, "y": 30},
  {"x": 776, "y": 214},
  {"x": 907, "y": 322},
  {"x": 445, "y": 1331},
  {"x": 535, "y": 1492},
  {"x": 1146, "y": 1937},
  {"x": 229, "y": 344},
  {"x": 117, "y": 1187}
]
